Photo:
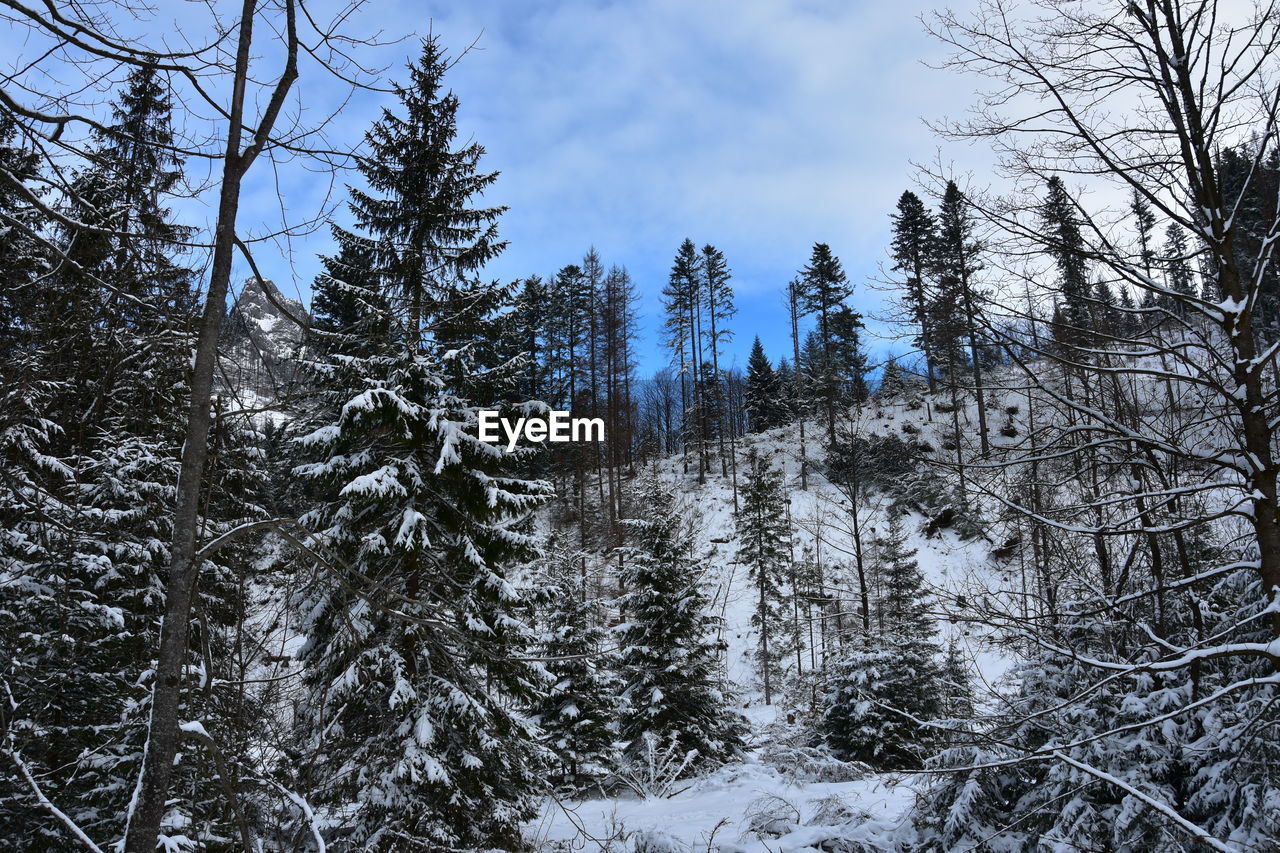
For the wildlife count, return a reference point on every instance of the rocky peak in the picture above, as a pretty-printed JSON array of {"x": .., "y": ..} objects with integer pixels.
[{"x": 261, "y": 340}]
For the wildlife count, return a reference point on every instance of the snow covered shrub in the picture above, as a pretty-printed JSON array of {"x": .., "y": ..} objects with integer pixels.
[
  {"x": 653, "y": 771},
  {"x": 835, "y": 810},
  {"x": 874, "y": 695},
  {"x": 769, "y": 816},
  {"x": 800, "y": 764},
  {"x": 653, "y": 841},
  {"x": 1085, "y": 753}
]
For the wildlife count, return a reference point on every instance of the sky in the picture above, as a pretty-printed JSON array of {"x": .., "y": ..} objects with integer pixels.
[{"x": 759, "y": 126}]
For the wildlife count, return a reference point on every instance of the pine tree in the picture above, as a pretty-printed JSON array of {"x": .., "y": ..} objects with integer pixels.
[
  {"x": 893, "y": 384},
  {"x": 720, "y": 308},
  {"x": 426, "y": 238},
  {"x": 668, "y": 654},
  {"x": 764, "y": 535},
  {"x": 578, "y": 714},
  {"x": 1177, "y": 267},
  {"x": 89, "y": 558},
  {"x": 764, "y": 391},
  {"x": 1066, "y": 241},
  {"x": 683, "y": 300},
  {"x": 1144, "y": 222},
  {"x": 913, "y": 248},
  {"x": 957, "y": 264},
  {"x": 415, "y": 662},
  {"x": 825, "y": 289},
  {"x": 347, "y": 305},
  {"x": 894, "y": 672}
]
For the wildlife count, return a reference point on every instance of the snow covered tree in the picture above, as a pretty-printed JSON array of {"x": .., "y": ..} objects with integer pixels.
[
  {"x": 825, "y": 288},
  {"x": 957, "y": 263},
  {"x": 877, "y": 690},
  {"x": 683, "y": 300},
  {"x": 415, "y": 662},
  {"x": 893, "y": 384},
  {"x": 720, "y": 308},
  {"x": 668, "y": 655},
  {"x": 578, "y": 714},
  {"x": 764, "y": 537},
  {"x": 1065, "y": 242}
]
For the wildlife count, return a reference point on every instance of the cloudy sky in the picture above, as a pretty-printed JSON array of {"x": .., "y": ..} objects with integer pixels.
[{"x": 760, "y": 126}]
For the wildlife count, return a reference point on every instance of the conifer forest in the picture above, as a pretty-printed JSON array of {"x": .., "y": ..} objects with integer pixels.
[{"x": 965, "y": 543}]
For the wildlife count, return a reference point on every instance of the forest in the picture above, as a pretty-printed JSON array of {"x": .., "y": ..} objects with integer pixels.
[{"x": 1007, "y": 582}]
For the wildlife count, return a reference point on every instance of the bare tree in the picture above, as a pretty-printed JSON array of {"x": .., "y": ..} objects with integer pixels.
[
  {"x": 1149, "y": 472},
  {"x": 234, "y": 85}
]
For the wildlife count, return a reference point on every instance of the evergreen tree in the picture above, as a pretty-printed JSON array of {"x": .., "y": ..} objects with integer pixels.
[
  {"x": 415, "y": 663},
  {"x": 1144, "y": 222},
  {"x": 913, "y": 248},
  {"x": 764, "y": 535},
  {"x": 1066, "y": 244},
  {"x": 958, "y": 300},
  {"x": 348, "y": 308},
  {"x": 683, "y": 301},
  {"x": 86, "y": 560},
  {"x": 825, "y": 288},
  {"x": 720, "y": 308},
  {"x": 668, "y": 654},
  {"x": 1176, "y": 262},
  {"x": 893, "y": 384},
  {"x": 765, "y": 404},
  {"x": 426, "y": 238},
  {"x": 870, "y": 683},
  {"x": 578, "y": 714}
]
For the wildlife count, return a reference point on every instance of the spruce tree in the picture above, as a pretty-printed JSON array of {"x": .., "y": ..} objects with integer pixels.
[
  {"x": 426, "y": 237},
  {"x": 896, "y": 671},
  {"x": 913, "y": 247},
  {"x": 764, "y": 538},
  {"x": 578, "y": 714},
  {"x": 1063, "y": 234},
  {"x": 682, "y": 302},
  {"x": 1176, "y": 262},
  {"x": 99, "y": 438},
  {"x": 720, "y": 308},
  {"x": 957, "y": 264},
  {"x": 826, "y": 287},
  {"x": 764, "y": 391},
  {"x": 415, "y": 662},
  {"x": 668, "y": 653},
  {"x": 893, "y": 384}
]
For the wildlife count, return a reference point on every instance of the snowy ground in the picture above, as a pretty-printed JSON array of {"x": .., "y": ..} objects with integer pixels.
[{"x": 722, "y": 811}]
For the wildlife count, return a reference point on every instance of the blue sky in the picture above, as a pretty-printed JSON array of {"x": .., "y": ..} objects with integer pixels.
[{"x": 760, "y": 126}]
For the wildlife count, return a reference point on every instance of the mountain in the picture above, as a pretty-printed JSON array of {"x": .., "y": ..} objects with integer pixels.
[{"x": 261, "y": 341}]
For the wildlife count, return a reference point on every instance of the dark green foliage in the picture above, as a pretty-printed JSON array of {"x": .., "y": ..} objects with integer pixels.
[
  {"x": 764, "y": 536},
  {"x": 416, "y": 664},
  {"x": 578, "y": 714},
  {"x": 668, "y": 652},
  {"x": 834, "y": 360},
  {"x": 1065, "y": 243},
  {"x": 766, "y": 404},
  {"x": 878, "y": 691},
  {"x": 913, "y": 248},
  {"x": 88, "y": 472}
]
